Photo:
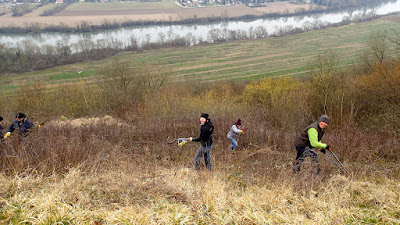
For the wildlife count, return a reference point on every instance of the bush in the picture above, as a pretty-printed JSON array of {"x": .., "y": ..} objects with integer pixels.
[
  {"x": 378, "y": 94},
  {"x": 281, "y": 101},
  {"x": 123, "y": 86}
]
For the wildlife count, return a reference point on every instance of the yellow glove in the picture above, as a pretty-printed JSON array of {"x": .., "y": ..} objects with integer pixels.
[
  {"x": 39, "y": 126},
  {"x": 7, "y": 135},
  {"x": 181, "y": 144}
]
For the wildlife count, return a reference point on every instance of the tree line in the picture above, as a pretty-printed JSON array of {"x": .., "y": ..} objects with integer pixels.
[{"x": 23, "y": 9}]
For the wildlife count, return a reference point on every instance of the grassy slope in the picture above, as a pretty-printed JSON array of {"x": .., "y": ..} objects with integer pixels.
[
  {"x": 247, "y": 59},
  {"x": 141, "y": 185},
  {"x": 183, "y": 196}
]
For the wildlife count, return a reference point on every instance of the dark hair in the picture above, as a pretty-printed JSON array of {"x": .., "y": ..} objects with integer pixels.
[
  {"x": 238, "y": 122},
  {"x": 205, "y": 116},
  {"x": 20, "y": 115},
  {"x": 1, "y": 118}
]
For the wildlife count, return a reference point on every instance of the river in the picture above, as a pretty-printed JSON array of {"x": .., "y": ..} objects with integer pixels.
[{"x": 202, "y": 32}]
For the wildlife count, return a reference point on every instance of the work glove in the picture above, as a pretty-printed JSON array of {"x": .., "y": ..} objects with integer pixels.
[
  {"x": 7, "y": 135},
  {"x": 182, "y": 143},
  {"x": 189, "y": 139},
  {"x": 241, "y": 131},
  {"x": 326, "y": 148}
]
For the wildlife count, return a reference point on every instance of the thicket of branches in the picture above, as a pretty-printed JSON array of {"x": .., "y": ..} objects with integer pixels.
[{"x": 23, "y": 9}]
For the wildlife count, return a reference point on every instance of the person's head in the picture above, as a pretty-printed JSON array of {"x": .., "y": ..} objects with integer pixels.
[
  {"x": 238, "y": 122},
  {"x": 323, "y": 121},
  {"x": 1, "y": 118},
  {"x": 203, "y": 118},
  {"x": 20, "y": 117}
]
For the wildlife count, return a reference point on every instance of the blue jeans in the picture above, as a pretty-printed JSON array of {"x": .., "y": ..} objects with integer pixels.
[
  {"x": 203, "y": 151},
  {"x": 233, "y": 142}
]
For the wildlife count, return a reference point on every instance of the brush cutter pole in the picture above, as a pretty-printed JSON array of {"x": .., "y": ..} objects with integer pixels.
[
  {"x": 343, "y": 168},
  {"x": 330, "y": 157},
  {"x": 337, "y": 162}
]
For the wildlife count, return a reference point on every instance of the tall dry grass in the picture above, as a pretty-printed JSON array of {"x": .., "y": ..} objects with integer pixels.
[
  {"x": 89, "y": 168},
  {"x": 133, "y": 193}
]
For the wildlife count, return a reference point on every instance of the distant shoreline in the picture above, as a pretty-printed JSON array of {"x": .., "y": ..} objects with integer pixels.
[
  {"x": 86, "y": 20},
  {"x": 85, "y": 24}
]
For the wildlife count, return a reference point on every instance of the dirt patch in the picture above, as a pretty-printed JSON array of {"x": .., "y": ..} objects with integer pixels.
[{"x": 108, "y": 120}]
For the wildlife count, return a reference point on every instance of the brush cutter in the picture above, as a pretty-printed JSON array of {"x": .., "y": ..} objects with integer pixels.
[
  {"x": 337, "y": 162},
  {"x": 181, "y": 142}
]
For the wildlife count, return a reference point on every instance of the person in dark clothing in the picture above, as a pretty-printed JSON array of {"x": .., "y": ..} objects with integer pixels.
[
  {"x": 310, "y": 138},
  {"x": 1, "y": 128},
  {"x": 22, "y": 123},
  {"x": 206, "y": 142}
]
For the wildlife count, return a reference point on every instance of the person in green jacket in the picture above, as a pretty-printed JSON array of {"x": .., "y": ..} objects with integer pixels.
[{"x": 308, "y": 139}]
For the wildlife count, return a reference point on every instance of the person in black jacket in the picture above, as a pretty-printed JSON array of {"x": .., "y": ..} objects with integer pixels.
[
  {"x": 206, "y": 142},
  {"x": 1, "y": 128}
]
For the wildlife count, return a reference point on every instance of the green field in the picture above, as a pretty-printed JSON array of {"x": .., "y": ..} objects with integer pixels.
[
  {"x": 40, "y": 10},
  {"x": 236, "y": 60}
]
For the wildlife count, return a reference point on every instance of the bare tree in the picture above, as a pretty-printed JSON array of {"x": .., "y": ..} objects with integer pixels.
[
  {"x": 122, "y": 83},
  {"x": 378, "y": 50}
]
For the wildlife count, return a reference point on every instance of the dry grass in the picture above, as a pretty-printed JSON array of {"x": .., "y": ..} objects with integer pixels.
[
  {"x": 147, "y": 193},
  {"x": 120, "y": 169},
  {"x": 113, "y": 171}
]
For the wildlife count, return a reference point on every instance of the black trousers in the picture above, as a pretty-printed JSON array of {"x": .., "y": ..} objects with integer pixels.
[{"x": 302, "y": 153}]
